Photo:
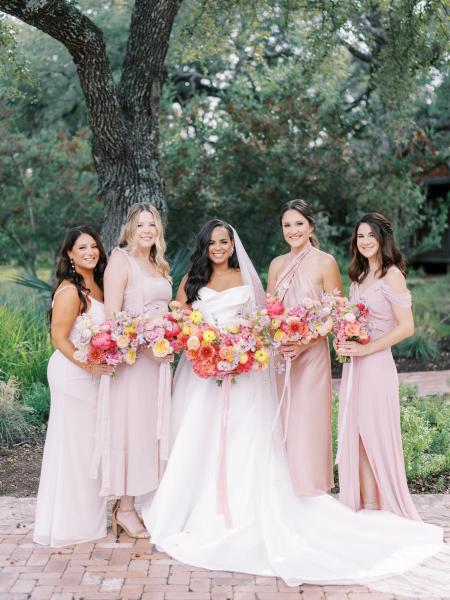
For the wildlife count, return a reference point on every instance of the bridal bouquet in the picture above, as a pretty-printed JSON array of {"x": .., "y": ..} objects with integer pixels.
[
  {"x": 227, "y": 350},
  {"x": 350, "y": 324}
]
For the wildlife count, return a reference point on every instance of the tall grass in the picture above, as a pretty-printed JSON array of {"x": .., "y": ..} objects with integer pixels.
[{"x": 25, "y": 345}]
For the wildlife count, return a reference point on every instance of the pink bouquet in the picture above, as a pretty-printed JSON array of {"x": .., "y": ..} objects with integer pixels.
[
  {"x": 94, "y": 343},
  {"x": 350, "y": 323},
  {"x": 164, "y": 334},
  {"x": 308, "y": 321}
]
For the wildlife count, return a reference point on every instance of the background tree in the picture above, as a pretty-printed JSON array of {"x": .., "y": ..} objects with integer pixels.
[
  {"x": 342, "y": 103},
  {"x": 123, "y": 117}
]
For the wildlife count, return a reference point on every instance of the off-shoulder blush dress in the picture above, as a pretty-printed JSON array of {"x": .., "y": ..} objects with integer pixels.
[{"x": 369, "y": 409}]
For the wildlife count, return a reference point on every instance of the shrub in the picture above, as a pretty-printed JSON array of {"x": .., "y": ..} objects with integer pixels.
[
  {"x": 14, "y": 425},
  {"x": 425, "y": 424},
  {"x": 423, "y": 344},
  {"x": 37, "y": 398}
]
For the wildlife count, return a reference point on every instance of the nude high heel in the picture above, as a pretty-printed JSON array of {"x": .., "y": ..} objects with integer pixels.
[{"x": 118, "y": 526}]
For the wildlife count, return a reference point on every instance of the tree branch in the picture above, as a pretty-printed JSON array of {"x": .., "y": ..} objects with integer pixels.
[{"x": 84, "y": 41}]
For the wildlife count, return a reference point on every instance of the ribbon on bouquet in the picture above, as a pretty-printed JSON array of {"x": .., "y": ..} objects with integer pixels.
[
  {"x": 163, "y": 418},
  {"x": 286, "y": 394},
  {"x": 101, "y": 454},
  {"x": 223, "y": 507},
  {"x": 347, "y": 400}
]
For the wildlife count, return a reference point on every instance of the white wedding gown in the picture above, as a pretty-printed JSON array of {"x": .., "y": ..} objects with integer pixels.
[{"x": 274, "y": 532}]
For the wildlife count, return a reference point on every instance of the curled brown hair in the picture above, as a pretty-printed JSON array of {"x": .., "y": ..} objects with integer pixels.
[
  {"x": 304, "y": 209},
  {"x": 64, "y": 270},
  {"x": 390, "y": 254}
]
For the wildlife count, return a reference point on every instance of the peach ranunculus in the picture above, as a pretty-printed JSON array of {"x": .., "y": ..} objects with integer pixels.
[
  {"x": 123, "y": 341},
  {"x": 352, "y": 329},
  {"x": 193, "y": 343}
]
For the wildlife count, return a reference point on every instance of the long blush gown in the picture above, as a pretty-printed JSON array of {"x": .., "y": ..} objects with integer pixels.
[
  {"x": 271, "y": 530},
  {"x": 369, "y": 409},
  {"x": 308, "y": 427},
  {"x": 69, "y": 509},
  {"x": 134, "y": 405}
]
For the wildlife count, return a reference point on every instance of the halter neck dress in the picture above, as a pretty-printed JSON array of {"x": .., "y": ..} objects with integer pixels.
[{"x": 308, "y": 434}]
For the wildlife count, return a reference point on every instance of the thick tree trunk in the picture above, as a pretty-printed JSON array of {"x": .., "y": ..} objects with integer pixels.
[{"x": 124, "y": 118}]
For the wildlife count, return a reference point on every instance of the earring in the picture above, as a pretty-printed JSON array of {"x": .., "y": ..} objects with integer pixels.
[{"x": 72, "y": 265}]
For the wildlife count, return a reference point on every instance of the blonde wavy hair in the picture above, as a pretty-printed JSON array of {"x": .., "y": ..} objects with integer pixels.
[{"x": 128, "y": 233}]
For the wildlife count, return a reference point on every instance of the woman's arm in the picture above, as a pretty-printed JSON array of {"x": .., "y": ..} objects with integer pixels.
[
  {"x": 115, "y": 281},
  {"x": 272, "y": 276},
  {"x": 331, "y": 276},
  {"x": 66, "y": 309},
  {"x": 181, "y": 293},
  {"x": 403, "y": 316}
]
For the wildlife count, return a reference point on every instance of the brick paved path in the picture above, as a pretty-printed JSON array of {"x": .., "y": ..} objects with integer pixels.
[{"x": 136, "y": 570}]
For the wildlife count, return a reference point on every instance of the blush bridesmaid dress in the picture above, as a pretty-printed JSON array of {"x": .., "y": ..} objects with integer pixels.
[
  {"x": 69, "y": 509},
  {"x": 134, "y": 406},
  {"x": 308, "y": 427},
  {"x": 369, "y": 409}
]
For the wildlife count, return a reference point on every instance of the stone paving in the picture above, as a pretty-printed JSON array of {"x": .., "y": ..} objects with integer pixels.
[{"x": 136, "y": 570}]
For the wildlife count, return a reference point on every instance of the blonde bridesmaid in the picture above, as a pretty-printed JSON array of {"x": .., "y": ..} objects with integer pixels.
[
  {"x": 305, "y": 272},
  {"x": 133, "y": 413},
  {"x": 69, "y": 509},
  {"x": 370, "y": 455}
]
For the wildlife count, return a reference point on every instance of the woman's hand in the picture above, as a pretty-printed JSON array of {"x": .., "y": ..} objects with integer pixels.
[
  {"x": 96, "y": 370},
  {"x": 352, "y": 349},
  {"x": 292, "y": 350},
  {"x": 160, "y": 359}
]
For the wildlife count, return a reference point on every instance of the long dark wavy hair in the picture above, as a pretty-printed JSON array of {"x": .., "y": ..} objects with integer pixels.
[
  {"x": 304, "y": 209},
  {"x": 64, "y": 270},
  {"x": 200, "y": 269},
  {"x": 390, "y": 254}
]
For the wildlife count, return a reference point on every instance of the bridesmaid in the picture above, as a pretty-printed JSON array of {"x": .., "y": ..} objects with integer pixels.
[
  {"x": 370, "y": 455},
  {"x": 137, "y": 280},
  {"x": 69, "y": 509},
  {"x": 304, "y": 272}
]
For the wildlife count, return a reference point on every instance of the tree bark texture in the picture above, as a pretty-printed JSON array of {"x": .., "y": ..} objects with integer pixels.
[{"x": 123, "y": 117}]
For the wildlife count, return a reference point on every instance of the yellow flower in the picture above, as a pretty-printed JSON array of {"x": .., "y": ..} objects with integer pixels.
[
  {"x": 209, "y": 336},
  {"x": 129, "y": 329},
  {"x": 243, "y": 359},
  {"x": 186, "y": 330},
  {"x": 130, "y": 356},
  {"x": 278, "y": 335},
  {"x": 262, "y": 356},
  {"x": 196, "y": 316},
  {"x": 233, "y": 329},
  {"x": 123, "y": 341},
  {"x": 161, "y": 348}
]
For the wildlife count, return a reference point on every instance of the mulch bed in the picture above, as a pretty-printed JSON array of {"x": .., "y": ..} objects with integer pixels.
[{"x": 20, "y": 469}]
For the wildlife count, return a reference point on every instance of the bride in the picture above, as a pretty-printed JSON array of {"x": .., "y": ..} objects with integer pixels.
[{"x": 255, "y": 523}]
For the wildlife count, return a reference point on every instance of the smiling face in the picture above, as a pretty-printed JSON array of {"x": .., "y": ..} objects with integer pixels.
[
  {"x": 221, "y": 246},
  {"x": 296, "y": 229},
  {"x": 146, "y": 232},
  {"x": 366, "y": 242},
  {"x": 84, "y": 253}
]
